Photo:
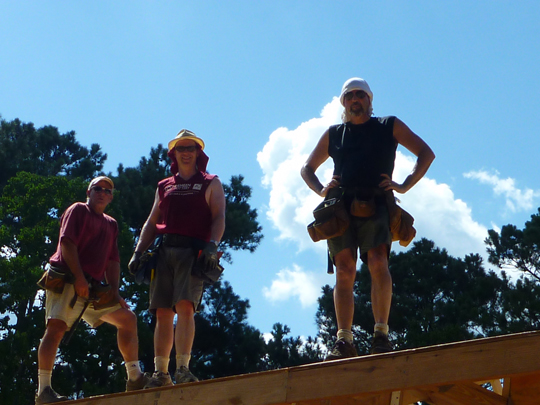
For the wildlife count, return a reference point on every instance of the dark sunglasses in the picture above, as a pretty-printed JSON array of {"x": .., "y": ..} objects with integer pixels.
[
  {"x": 358, "y": 93},
  {"x": 181, "y": 149},
  {"x": 99, "y": 189}
]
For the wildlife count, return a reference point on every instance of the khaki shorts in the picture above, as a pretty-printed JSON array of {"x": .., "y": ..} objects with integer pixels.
[
  {"x": 363, "y": 234},
  {"x": 57, "y": 306},
  {"x": 173, "y": 281}
]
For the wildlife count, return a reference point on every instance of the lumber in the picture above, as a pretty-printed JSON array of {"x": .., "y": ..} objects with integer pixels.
[{"x": 448, "y": 374}]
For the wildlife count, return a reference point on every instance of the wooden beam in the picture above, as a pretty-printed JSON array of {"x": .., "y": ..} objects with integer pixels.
[
  {"x": 268, "y": 388},
  {"x": 466, "y": 393},
  {"x": 525, "y": 390},
  {"x": 476, "y": 360},
  {"x": 440, "y": 375}
]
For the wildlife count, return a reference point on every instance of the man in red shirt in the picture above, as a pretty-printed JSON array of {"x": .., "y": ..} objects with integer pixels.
[
  {"x": 88, "y": 253},
  {"x": 189, "y": 213}
]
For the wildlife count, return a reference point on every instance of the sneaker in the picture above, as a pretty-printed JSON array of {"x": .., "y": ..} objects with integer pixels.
[
  {"x": 159, "y": 379},
  {"x": 380, "y": 343},
  {"x": 342, "y": 350},
  {"x": 48, "y": 396},
  {"x": 138, "y": 384},
  {"x": 183, "y": 375}
]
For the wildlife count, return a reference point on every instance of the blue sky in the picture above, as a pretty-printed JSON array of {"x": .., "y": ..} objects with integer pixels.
[{"x": 259, "y": 82}]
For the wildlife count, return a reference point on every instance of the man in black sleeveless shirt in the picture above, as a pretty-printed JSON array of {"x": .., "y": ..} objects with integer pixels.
[{"x": 363, "y": 150}]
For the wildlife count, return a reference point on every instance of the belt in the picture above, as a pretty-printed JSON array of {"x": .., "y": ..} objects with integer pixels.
[{"x": 176, "y": 240}]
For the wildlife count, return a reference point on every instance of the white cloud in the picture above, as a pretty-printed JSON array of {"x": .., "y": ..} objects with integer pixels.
[
  {"x": 295, "y": 283},
  {"x": 516, "y": 200},
  {"x": 439, "y": 216}
]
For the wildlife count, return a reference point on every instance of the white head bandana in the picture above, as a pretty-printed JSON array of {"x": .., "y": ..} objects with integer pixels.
[{"x": 355, "y": 83}]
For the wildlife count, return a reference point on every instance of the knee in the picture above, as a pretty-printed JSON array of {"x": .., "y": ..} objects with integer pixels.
[
  {"x": 55, "y": 330},
  {"x": 127, "y": 320},
  {"x": 165, "y": 315},
  {"x": 185, "y": 309},
  {"x": 346, "y": 274},
  {"x": 379, "y": 270},
  {"x": 378, "y": 260}
]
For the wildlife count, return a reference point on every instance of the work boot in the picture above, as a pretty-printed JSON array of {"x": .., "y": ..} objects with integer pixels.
[
  {"x": 159, "y": 379},
  {"x": 380, "y": 343},
  {"x": 342, "y": 350},
  {"x": 138, "y": 384},
  {"x": 48, "y": 396},
  {"x": 183, "y": 375}
]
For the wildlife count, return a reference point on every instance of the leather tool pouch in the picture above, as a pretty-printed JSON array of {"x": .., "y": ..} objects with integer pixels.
[
  {"x": 102, "y": 295},
  {"x": 54, "y": 279},
  {"x": 363, "y": 203},
  {"x": 401, "y": 222},
  {"x": 331, "y": 220},
  {"x": 363, "y": 208}
]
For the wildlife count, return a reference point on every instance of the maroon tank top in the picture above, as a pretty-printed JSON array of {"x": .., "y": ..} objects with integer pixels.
[{"x": 183, "y": 206}]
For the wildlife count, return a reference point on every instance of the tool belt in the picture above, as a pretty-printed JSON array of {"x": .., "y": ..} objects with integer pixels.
[
  {"x": 401, "y": 222},
  {"x": 363, "y": 201},
  {"x": 102, "y": 295},
  {"x": 331, "y": 217},
  {"x": 55, "y": 278},
  {"x": 175, "y": 240}
]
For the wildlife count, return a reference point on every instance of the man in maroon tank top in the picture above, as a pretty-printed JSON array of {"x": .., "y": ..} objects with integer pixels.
[{"x": 189, "y": 213}]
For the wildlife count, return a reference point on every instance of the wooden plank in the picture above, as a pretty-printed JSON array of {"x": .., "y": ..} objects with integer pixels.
[
  {"x": 525, "y": 390},
  {"x": 476, "y": 360},
  {"x": 462, "y": 394},
  {"x": 413, "y": 396},
  {"x": 268, "y": 388},
  {"x": 440, "y": 375}
]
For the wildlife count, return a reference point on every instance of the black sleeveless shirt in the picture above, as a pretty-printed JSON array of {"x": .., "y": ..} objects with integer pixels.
[{"x": 362, "y": 152}]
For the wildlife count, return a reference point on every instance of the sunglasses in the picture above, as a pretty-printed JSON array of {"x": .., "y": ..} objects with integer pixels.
[
  {"x": 99, "y": 189},
  {"x": 358, "y": 93},
  {"x": 181, "y": 149}
]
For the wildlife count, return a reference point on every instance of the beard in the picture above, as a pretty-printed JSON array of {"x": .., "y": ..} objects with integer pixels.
[{"x": 356, "y": 110}]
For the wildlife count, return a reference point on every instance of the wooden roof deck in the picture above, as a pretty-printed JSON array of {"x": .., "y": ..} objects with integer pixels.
[{"x": 449, "y": 374}]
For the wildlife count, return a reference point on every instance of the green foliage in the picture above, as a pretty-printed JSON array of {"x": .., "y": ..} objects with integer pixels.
[
  {"x": 28, "y": 237},
  {"x": 517, "y": 248},
  {"x": 225, "y": 344},
  {"x": 136, "y": 187},
  {"x": 242, "y": 231},
  {"x": 45, "y": 152},
  {"x": 282, "y": 351}
]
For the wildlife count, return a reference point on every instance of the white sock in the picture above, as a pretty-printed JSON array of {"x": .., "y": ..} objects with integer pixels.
[
  {"x": 182, "y": 360},
  {"x": 345, "y": 334},
  {"x": 381, "y": 327},
  {"x": 133, "y": 370},
  {"x": 44, "y": 379},
  {"x": 161, "y": 363}
]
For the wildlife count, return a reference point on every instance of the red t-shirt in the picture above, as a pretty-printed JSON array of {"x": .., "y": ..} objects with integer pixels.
[
  {"x": 183, "y": 206},
  {"x": 95, "y": 236}
]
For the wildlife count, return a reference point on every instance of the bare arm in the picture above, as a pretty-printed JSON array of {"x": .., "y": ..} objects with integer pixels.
[
  {"x": 215, "y": 197},
  {"x": 148, "y": 232},
  {"x": 317, "y": 157},
  {"x": 71, "y": 257},
  {"x": 418, "y": 147}
]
